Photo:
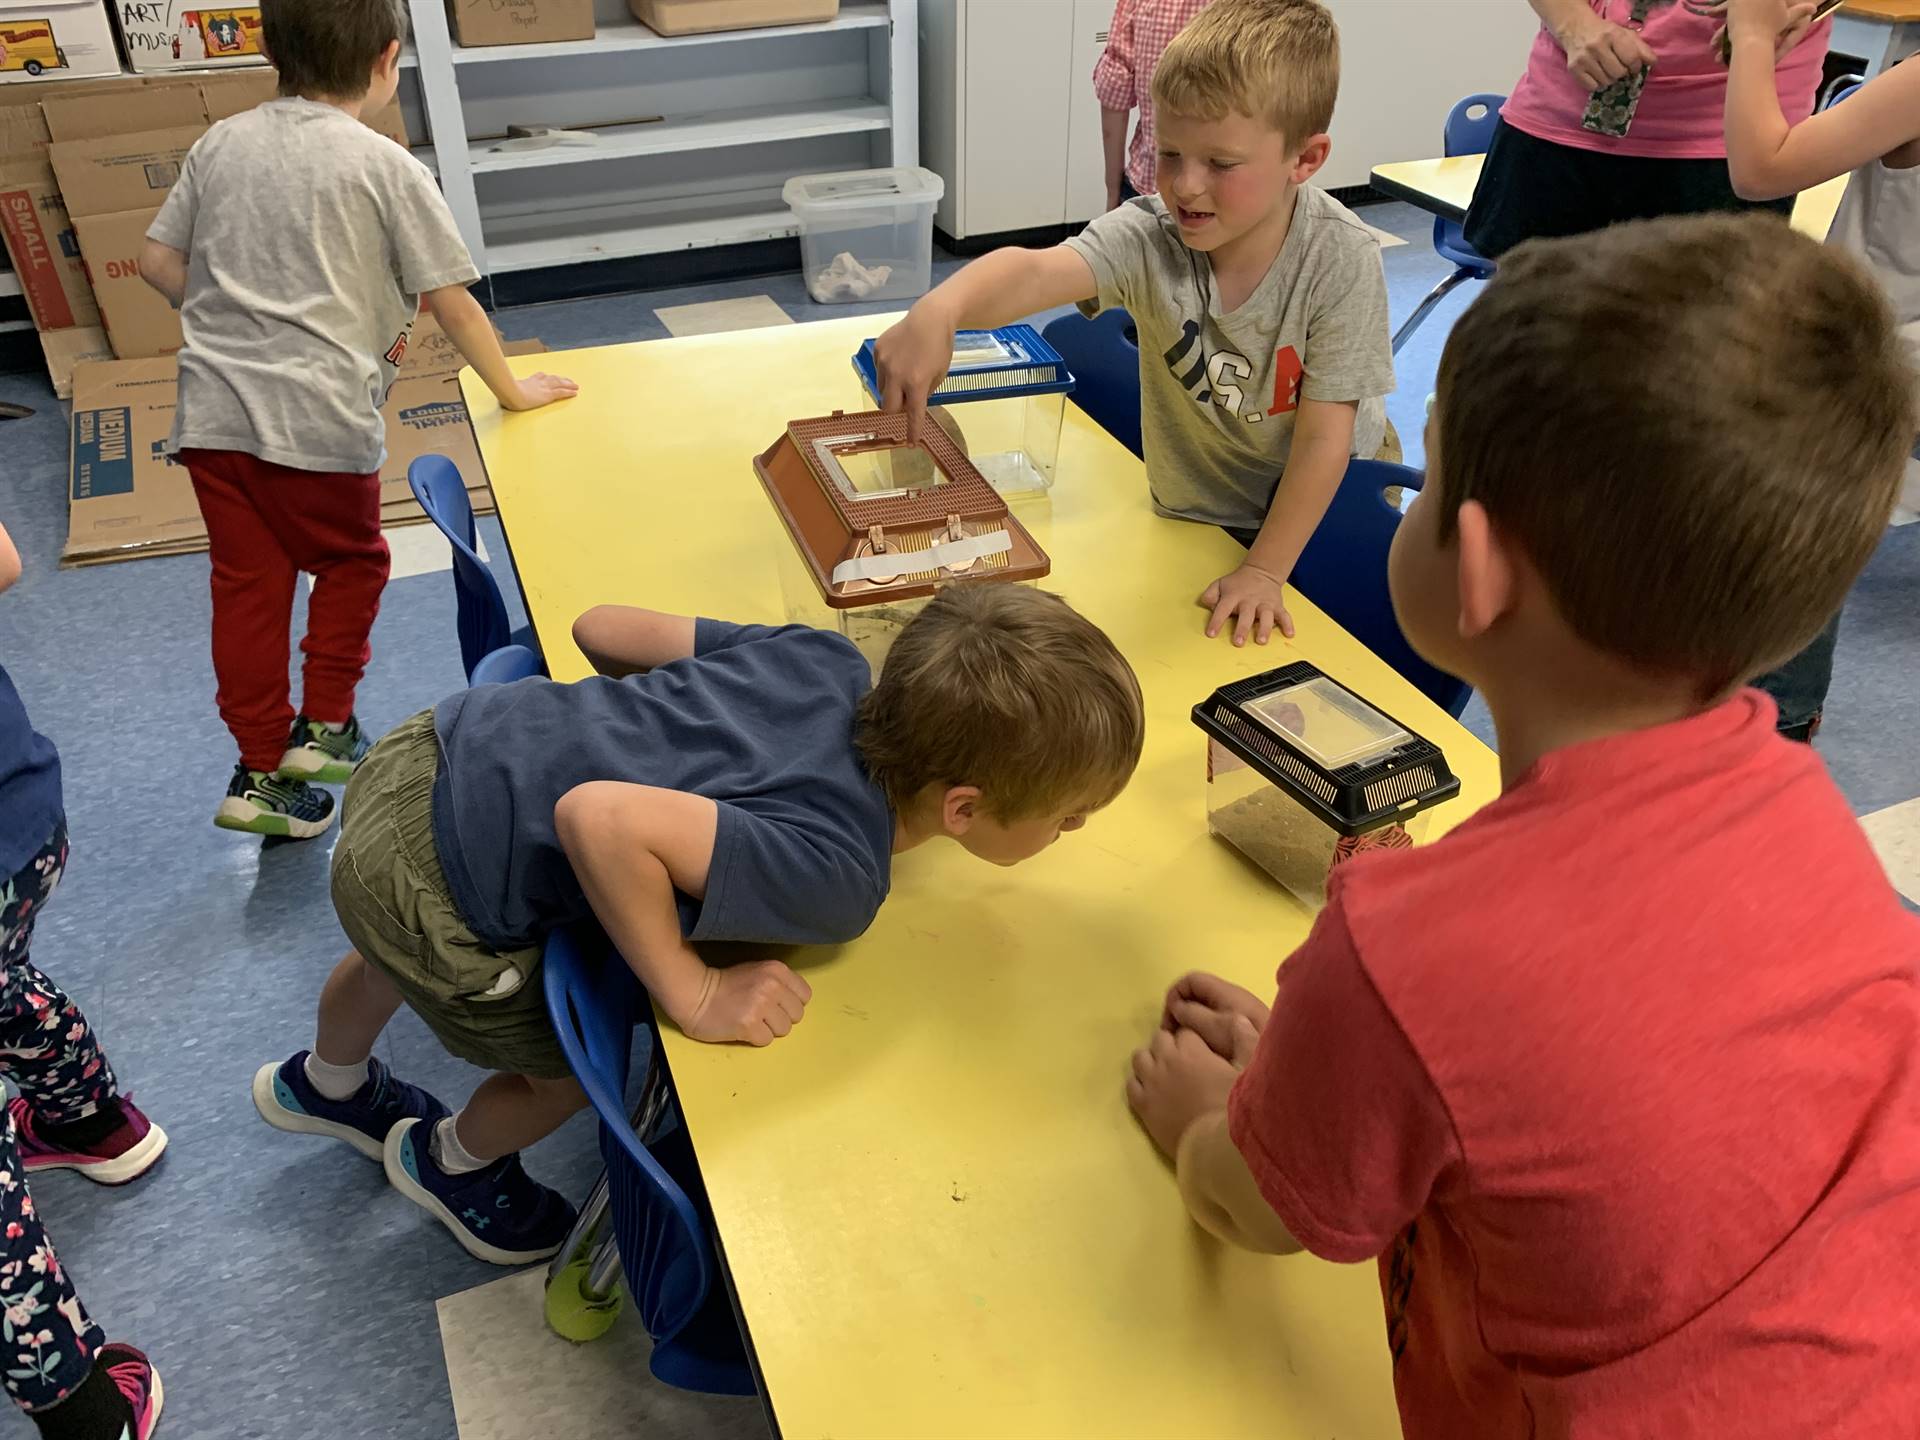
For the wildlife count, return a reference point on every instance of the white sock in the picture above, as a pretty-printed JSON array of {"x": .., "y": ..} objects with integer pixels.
[
  {"x": 448, "y": 1153},
  {"x": 335, "y": 1082}
]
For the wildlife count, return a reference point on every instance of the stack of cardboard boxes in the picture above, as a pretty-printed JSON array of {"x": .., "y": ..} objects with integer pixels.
[{"x": 83, "y": 170}]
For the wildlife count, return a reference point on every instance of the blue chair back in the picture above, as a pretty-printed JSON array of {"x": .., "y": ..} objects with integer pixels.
[
  {"x": 506, "y": 665},
  {"x": 481, "y": 610},
  {"x": 1842, "y": 91},
  {"x": 1468, "y": 131},
  {"x": 1105, "y": 365},
  {"x": 658, "y": 1201},
  {"x": 1344, "y": 571}
]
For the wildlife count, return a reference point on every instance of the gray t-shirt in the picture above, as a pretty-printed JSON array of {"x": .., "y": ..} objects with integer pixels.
[
  {"x": 309, "y": 240},
  {"x": 1879, "y": 220},
  {"x": 1218, "y": 391}
]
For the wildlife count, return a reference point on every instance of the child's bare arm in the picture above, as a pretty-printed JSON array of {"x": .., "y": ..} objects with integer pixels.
[
  {"x": 1221, "y": 1193},
  {"x": 165, "y": 269},
  {"x": 9, "y": 561},
  {"x": 1769, "y": 158},
  {"x": 913, "y": 356},
  {"x": 1251, "y": 597},
  {"x": 627, "y": 640},
  {"x": 471, "y": 331},
  {"x": 632, "y": 847}
]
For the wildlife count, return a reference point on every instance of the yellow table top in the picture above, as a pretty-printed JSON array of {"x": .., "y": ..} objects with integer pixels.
[
  {"x": 1893, "y": 11},
  {"x": 1445, "y": 187},
  {"x": 938, "y": 1213}
]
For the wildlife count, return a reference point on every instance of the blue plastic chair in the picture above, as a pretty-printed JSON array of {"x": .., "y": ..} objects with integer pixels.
[
  {"x": 506, "y": 665},
  {"x": 1843, "y": 86},
  {"x": 1344, "y": 571},
  {"x": 658, "y": 1203},
  {"x": 1468, "y": 131},
  {"x": 1105, "y": 364},
  {"x": 481, "y": 610}
]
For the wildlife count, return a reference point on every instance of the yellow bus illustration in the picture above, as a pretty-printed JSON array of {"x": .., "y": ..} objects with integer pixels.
[{"x": 28, "y": 45}]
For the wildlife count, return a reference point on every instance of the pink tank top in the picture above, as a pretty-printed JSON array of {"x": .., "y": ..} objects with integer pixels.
[{"x": 1681, "y": 112}]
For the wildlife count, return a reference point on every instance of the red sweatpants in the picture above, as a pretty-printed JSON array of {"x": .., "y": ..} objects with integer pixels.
[{"x": 265, "y": 524}]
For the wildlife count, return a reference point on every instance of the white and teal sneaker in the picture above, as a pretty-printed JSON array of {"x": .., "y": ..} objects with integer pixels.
[
  {"x": 266, "y": 805},
  {"x": 323, "y": 754}
]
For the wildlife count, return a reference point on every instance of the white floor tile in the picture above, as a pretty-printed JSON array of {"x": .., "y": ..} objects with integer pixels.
[
  {"x": 751, "y": 312},
  {"x": 1895, "y": 833},
  {"x": 513, "y": 1378},
  {"x": 419, "y": 550}
]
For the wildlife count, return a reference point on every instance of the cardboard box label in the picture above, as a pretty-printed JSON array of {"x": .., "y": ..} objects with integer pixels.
[
  {"x": 102, "y": 453},
  {"x": 45, "y": 252},
  {"x": 521, "y": 22},
  {"x": 163, "y": 34},
  {"x": 53, "y": 39}
]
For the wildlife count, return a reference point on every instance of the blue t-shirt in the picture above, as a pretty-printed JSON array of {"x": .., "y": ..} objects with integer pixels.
[
  {"x": 759, "y": 720},
  {"x": 29, "y": 784}
]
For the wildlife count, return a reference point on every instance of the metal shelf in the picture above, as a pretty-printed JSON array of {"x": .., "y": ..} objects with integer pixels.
[
  {"x": 629, "y": 35},
  {"x": 726, "y": 222}
]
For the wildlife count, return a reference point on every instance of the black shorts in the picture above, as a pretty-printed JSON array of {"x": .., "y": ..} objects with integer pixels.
[{"x": 1532, "y": 188}]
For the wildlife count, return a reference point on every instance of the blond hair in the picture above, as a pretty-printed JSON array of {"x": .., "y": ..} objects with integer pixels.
[
  {"x": 1694, "y": 429},
  {"x": 1008, "y": 689},
  {"x": 1275, "y": 60}
]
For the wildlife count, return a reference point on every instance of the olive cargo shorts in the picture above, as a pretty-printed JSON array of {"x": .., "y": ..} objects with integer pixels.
[{"x": 391, "y": 896}]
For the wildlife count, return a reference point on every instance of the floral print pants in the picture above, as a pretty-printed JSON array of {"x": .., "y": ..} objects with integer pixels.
[{"x": 47, "y": 1340}]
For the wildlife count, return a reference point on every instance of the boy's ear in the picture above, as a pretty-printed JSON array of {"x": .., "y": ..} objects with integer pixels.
[
  {"x": 389, "y": 60},
  {"x": 1312, "y": 156},
  {"x": 1487, "y": 576},
  {"x": 958, "y": 809}
]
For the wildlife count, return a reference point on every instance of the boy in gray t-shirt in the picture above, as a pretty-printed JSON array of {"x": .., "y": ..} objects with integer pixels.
[
  {"x": 1259, "y": 300},
  {"x": 299, "y": 246}
]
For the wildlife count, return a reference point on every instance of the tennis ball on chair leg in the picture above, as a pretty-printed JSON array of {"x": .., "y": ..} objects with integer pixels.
[{"x": 570, "y": 1314}]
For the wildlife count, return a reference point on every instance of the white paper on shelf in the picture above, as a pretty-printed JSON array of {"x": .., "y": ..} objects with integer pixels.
[{"x": 947, "y": 555}]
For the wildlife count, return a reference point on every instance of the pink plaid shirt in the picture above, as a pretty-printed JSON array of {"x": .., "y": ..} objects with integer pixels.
[{"x": 1123, "y": 79}]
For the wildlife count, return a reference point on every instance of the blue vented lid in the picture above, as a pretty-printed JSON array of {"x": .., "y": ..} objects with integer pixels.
[{"x": 987, "y": 365}]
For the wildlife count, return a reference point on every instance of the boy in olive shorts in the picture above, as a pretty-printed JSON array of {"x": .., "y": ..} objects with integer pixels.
[{"x": 715, "y": 782}]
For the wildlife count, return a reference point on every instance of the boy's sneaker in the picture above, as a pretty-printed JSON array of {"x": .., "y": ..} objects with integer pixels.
[
  {"x": 498, "y": 1213},
  {"x": 323, "y": 754},
  {"x": 125, "y": 1153},
  {"x": 136, "y": 1379},
  {"x": 263, "y": 805},
  {"x": 287, "y": 1101}
]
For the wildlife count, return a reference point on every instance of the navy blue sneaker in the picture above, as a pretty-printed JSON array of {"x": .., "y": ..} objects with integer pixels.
[
  {"x": 287, "y": 1101},
  {"x": 499, "y": 1214},
  {"x": 324, "y": 754},
  {"x": 262, "y": 805}
]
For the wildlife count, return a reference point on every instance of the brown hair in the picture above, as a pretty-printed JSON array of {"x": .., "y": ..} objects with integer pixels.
[
  {"x": 1276, "y": 60},
  {"x": 328, "y": 47},
  {"x": 1009, "y": 689},
  {"x": 1694, "y": 429}
]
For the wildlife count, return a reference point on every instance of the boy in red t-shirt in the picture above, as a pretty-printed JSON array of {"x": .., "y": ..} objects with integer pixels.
[{"x": 1620, "y": 1080}]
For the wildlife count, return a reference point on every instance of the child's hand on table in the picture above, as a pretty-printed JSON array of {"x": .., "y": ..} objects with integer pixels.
[
  {"x": 541, "y": 389},
  {"x": 1225, "y": 1015},
  {"x": 1174, "y": 1081},
  {"x": 754, "y": 1003},
  {"x": 911, "y": 359},
  {"x": 1252, "y": 595}
]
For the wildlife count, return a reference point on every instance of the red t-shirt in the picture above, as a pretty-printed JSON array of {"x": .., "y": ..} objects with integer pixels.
[{"x": 1621, "y": 1083}]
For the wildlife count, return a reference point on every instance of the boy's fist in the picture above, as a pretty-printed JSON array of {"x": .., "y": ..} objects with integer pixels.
[
  {"x": 1225, "y": 1015},
  {"x": 754, "y": 1003},
  {"x": 910, "y": 360},
  {"x": 542, "y": 389}
]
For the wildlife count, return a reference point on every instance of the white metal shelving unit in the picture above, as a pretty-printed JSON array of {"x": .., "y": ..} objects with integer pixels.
[{"x": 693, "y": 136}]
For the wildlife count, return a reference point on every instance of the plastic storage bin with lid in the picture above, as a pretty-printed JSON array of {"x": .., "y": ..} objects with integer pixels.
[
  {"x": 1004, "y": 401},
  {"x": 1302, "y": 774},
  {"x": 866, "y": 234}
]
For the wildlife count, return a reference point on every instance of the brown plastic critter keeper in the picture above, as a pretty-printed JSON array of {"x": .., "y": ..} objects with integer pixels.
[{"x": 879, "y": 522}]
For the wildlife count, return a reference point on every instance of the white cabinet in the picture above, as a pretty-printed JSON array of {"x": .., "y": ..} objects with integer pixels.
[
  {"x": 1008, "y": 115},
  {"x": 675, "y": 143}
]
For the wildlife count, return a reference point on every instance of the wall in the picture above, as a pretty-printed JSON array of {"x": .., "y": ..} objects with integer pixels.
[{"x": 1405, "y": 62}]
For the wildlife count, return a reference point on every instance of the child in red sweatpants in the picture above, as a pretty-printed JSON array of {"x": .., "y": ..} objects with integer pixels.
[{"x": 299, "y": 245}]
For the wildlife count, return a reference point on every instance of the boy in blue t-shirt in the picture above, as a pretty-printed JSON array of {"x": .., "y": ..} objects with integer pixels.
[{"x": 715, "y": 782}]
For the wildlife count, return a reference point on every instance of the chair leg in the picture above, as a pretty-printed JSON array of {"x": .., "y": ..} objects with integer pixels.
[
  {"x": 1439, "y": 292},
  {"x": 586, "y": 1228}
]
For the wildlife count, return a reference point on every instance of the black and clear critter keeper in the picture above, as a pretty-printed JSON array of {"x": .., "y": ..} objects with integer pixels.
[{"x": 1303, "y": 774}]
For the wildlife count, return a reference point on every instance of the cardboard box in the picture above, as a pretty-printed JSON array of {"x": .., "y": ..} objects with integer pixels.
[
  {"x": 65, "y": 349},
  {"x": 127, "y": 499},
  {"x": 114, "y": 186},
  {"x": 699, "y": 17},
  {"x": 520, "y": 22},
  {"x": 137, "y": 108},
  {"x": 189, "y": 34},
  {"x": 56, "y": 40}
]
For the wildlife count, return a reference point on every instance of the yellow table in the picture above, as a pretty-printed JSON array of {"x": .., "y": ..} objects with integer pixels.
[
  {"x": 1445, "y": 187},
  {"x": 939, "y": 1216}
]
